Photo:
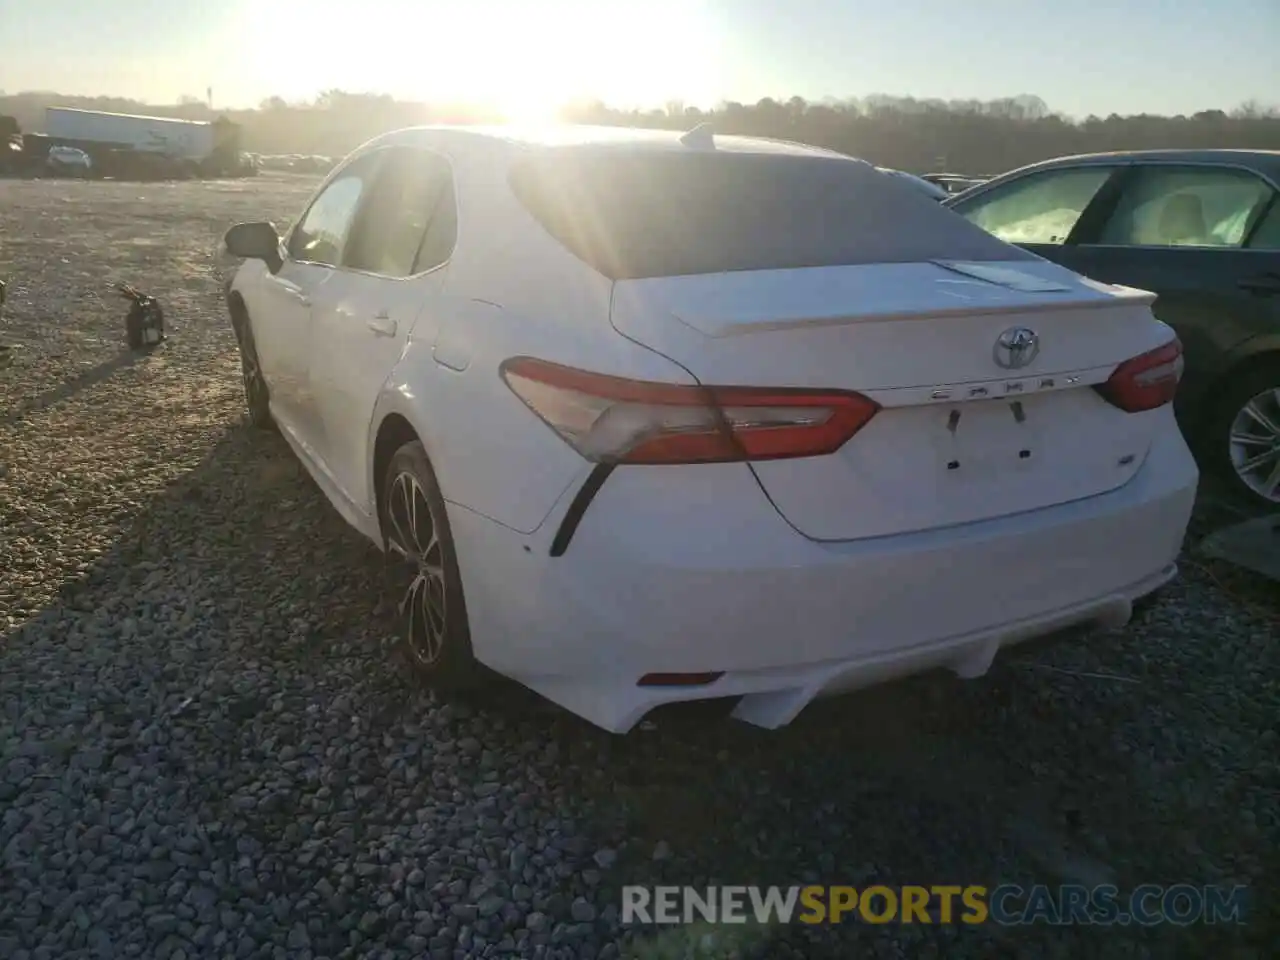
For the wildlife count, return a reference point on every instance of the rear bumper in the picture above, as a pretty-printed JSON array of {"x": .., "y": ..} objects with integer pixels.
[{"x": 683, "y": 570}]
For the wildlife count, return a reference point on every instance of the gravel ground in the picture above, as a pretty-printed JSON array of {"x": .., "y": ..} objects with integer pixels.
[{"x": 205, "y": 749}]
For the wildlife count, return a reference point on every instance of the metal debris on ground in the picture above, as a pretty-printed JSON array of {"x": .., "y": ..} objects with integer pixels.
[
  {"x": 1254, "y": 545},
  {"x": 144, "y": 326}
]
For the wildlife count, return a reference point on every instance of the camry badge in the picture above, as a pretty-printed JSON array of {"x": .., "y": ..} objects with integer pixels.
[{"x": 1016, "y": 347}]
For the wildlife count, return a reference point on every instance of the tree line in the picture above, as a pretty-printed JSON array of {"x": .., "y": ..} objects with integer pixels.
[{"x": 963, "y": 136}]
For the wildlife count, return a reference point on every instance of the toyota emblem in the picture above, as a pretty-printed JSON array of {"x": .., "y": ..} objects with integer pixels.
[{"x": 1016, "y": 347}]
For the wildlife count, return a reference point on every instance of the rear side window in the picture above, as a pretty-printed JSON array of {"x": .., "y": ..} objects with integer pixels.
[
  {"x": 442, "y": 232},
  {"x": 662, "y": 214},
  {"x": 413, "y": 188}
]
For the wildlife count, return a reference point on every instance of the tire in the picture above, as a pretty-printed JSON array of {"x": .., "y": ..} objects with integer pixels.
[
  {"x": 1258, "y": 389},
  {"x": 256, "y": 396},
  {"x": 435, "y": 636}
]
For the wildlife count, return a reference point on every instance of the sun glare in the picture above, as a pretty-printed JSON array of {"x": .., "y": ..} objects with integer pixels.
[{"x": 526, "y": 61}]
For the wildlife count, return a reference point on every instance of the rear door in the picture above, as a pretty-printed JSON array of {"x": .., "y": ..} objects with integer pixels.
[
  {"x": 1197, "y": 236},
  {"x": 392, "y": 269}
]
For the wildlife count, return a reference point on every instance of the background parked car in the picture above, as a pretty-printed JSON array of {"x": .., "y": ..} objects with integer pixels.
[
  {"x": 1201, "y": 229},
  {"x": 69, "y": 161},
  {"x": 921, "y": 184},
  {"x": 953, "y": 183}
]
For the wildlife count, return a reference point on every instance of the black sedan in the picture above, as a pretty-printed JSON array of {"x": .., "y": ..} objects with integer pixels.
[{"x": 1200, "y": 229}]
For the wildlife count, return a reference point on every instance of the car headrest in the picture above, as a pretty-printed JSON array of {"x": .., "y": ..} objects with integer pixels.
[{"x": 1182, "y": 219}]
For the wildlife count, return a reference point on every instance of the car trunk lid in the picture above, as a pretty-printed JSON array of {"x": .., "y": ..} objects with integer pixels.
[{"x": 960, "y": 437}]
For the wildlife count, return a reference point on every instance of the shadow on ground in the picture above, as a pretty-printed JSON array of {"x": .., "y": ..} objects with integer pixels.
[{"x": 72, "y": 386}]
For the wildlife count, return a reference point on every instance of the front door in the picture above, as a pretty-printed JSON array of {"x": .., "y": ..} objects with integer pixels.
[
  {"x": 281, "y": 322},
  {"x": 313, "y": 253},
  {"x": 1042, "y": 210},
  {"x": 392, "y": 270}
]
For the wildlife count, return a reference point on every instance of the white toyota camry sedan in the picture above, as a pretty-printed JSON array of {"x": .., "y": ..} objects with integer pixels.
[{"x": 645, "y": 417}]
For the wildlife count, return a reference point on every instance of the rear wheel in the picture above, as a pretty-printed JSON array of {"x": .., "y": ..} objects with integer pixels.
[
  {"x": 434, "y": 630},
  {"x": 1244, "y": 435}
]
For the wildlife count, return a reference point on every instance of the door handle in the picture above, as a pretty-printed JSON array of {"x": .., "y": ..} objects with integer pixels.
[
  {"x": 1266, "y": 283},
  {"x": 300, "y": 297},
  {"x": 383, "y": 325}
]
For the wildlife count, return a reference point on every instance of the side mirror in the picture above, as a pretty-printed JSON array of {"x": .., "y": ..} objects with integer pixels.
[{"x": 255, "y": 241}]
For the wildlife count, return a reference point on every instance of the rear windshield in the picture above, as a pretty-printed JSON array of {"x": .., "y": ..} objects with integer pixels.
[{"x": 664, "y": 214}]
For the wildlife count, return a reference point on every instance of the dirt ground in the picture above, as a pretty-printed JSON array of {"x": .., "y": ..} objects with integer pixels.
[{"x": 179, "y": 605}]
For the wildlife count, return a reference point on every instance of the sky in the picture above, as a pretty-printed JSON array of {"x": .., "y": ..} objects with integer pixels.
[{"x": 1080, "y": 56}]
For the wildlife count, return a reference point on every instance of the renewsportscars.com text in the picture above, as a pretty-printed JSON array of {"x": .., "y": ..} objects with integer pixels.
[{"x": 1006, "y": 905}]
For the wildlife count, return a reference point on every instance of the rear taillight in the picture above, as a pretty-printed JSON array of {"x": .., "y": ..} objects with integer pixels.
[
  {"x": 615, "y": 420},
  {"x": 1147, "y": 381}
]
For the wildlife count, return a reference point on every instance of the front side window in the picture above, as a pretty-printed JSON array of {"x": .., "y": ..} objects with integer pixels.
[
  {"x": 1039, "y": 208},
  {"x": 322, "y": 235},
  {"x": 413, "y": 191},
  {"x": 1186, "y": 207}
]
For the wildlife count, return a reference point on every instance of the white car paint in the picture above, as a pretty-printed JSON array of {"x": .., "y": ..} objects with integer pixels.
[{"x": 792, "y": 578}]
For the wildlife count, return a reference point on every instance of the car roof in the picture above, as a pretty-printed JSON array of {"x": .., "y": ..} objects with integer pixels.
[
  {"x": 1266, "y": 161},
  {"x": 514, "y": 138}
]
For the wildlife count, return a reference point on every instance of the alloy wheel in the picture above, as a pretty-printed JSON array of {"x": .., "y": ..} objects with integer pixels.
[
  {"x": 413, "y": 537},
  {"x": 1255, "y": 444}
]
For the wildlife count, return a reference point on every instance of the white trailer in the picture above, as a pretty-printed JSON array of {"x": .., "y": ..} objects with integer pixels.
[{"x": 182, "y": 139}]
